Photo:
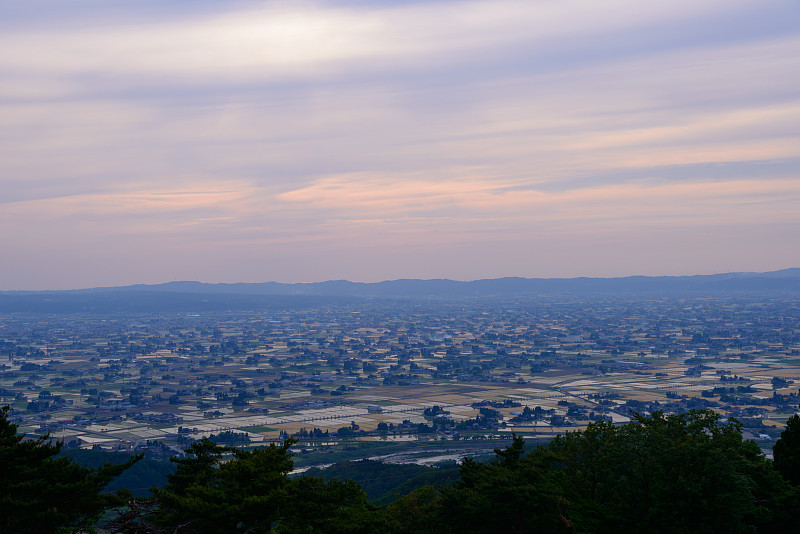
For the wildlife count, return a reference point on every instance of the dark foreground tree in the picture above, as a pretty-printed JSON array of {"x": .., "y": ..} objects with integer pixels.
[
  {"x": 787, "y": 451},
  {"x": 688, "y": 473},
  {"x": 668, "y": 473},
  {"x": 224, "y": 489},
  {"x": 42, "y": 493},
  {"x": 508, "y": 494}
]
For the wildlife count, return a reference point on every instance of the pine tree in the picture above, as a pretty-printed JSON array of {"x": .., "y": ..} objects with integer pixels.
[
  {"x": 40, "y": 492},
  {"x": 787, "y": 451}
]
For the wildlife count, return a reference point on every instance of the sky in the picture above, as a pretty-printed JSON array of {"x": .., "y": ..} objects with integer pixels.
[{"x": 144, "y": 141}]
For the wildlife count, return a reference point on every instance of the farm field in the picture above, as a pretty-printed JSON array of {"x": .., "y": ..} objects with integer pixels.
[{"x": 390, "y": 371}]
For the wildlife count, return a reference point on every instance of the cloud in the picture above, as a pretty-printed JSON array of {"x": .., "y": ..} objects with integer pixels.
[
  {"x": 270, "y": 129},
  {"x": 504, "y": 207},
  {"x": 307, "y": 39},
  {"x": 155, "y": 207}
]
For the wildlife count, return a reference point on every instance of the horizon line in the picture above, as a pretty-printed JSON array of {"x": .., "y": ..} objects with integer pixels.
[{"x": 394, "y": 280}]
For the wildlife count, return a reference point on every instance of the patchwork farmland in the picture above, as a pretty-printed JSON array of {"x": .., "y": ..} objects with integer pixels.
[{"x": 455, "y": 372}]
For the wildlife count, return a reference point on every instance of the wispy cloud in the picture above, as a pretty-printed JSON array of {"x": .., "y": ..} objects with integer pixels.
[
  {"x": 272, "y": 129},
  {"x": 481, "y": 201},
  {"x": 275, "y": 38}
]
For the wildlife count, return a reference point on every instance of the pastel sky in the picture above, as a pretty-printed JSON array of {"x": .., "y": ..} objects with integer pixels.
[{"x": 144, "y": 141}]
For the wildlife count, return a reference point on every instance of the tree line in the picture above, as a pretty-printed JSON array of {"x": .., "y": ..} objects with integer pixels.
[{"x": 690, "y": 472}]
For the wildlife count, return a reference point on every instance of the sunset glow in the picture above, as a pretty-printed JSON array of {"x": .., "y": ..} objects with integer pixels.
[{"x": 144, "y": 142}]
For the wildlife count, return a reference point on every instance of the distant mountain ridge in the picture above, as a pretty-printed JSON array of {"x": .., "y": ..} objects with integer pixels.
[
  {"x": 784, "y": 278},
  {"x": 199, "y": 296}
]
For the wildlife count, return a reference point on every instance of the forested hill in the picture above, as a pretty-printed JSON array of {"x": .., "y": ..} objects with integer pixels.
[{"x": 198, "y": 296}]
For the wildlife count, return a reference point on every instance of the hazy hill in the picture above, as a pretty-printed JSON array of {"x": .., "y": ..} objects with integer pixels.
[
  {"x": 786, "y": 279},
  {"x": 198, "y": 296}
]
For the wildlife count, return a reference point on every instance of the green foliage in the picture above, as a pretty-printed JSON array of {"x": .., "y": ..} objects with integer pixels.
[
  {"x": 504, "y": 495},
  {"x": 383, "y": 482},
  {"x": 138, "y": 479},
  {"x": 314, "y": 505},
  {"x": 417, "y": 512},
  {"x": 222, "y": 489},
  {"x": 687, "y": 473},
  {"x": 443, "y": 476},
  {"x": 787, "y": 451},
  {"x": 40, "y": 492},
  {"x": 675, "y": 473},
  {"x": 664, "y": 473}
]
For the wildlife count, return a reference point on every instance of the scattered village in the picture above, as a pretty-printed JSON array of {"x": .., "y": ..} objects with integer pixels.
[{"x": 383, "y": 370}]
